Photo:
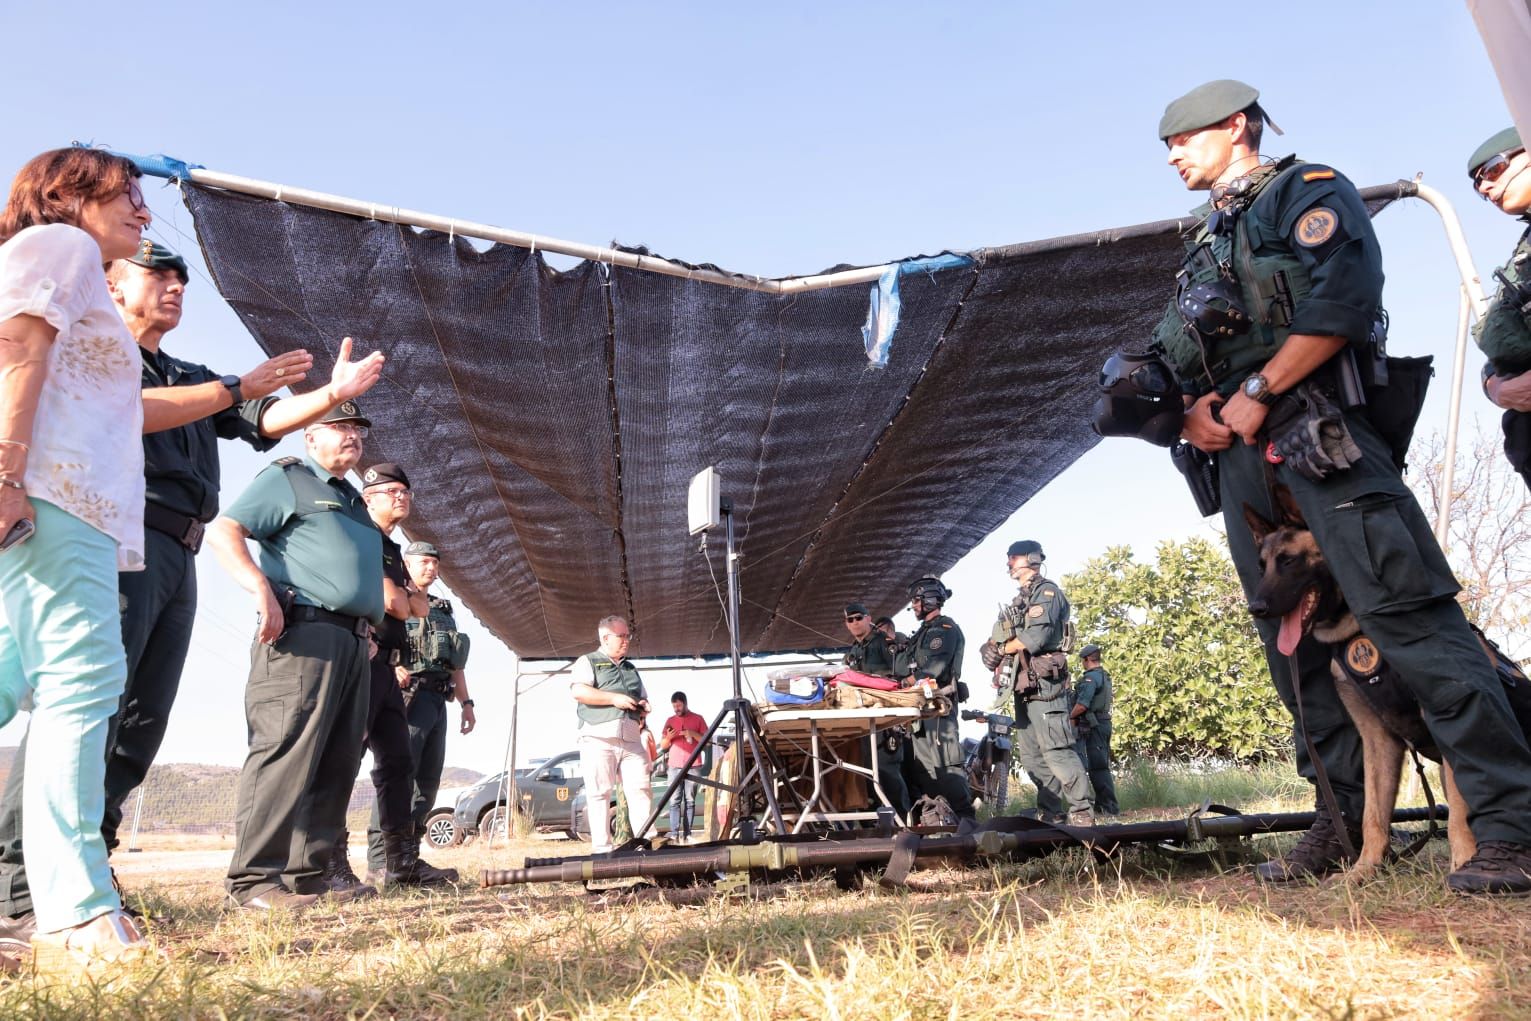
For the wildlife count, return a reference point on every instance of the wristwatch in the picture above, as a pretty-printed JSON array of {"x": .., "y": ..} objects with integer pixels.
[
  {"x": 467, "y": 703},
  {"x": 232, "y": 383},
  {"x": 1257, "y": 388}
]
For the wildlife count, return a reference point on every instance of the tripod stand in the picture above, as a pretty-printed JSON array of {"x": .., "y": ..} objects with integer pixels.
[{"x": 747, "y": 732}]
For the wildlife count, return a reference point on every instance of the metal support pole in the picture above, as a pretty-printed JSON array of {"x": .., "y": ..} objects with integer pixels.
[
  {"x": 1453, "y": 421},
  {"x": 138, "y": 814}
]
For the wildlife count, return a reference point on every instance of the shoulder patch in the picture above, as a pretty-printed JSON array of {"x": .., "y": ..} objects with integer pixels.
[
  {"x": 1316, "y": 226},
  {"x": 1361, "y": 656},
  {"x": 1319, "y": 175},
  {"x": 1047, "y": 593},
  {"x": 935, "y": 643},
  {"x": 1036, "y": 611}
]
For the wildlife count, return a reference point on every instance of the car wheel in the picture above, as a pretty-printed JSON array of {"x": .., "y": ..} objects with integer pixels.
[
  {"x": 492, "y": 824},
  {"x": 441, "y": 831}
]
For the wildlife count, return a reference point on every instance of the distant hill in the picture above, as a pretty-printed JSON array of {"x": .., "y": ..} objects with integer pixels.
[{"x": 191, "y": 797}]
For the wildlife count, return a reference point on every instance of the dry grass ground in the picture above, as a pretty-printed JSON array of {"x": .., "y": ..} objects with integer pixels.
[{"x": 1140, "y": 938}]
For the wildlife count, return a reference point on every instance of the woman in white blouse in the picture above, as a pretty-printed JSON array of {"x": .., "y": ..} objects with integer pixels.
[{"x": 71, "y": 517}]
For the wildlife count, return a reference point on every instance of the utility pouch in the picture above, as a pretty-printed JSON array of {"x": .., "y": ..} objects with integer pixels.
[
  {"x": 1200, "y": 471},
  {"x": 1393, "y": 409},
  {"x": 1307, "y": 429},
  {"x": 962, "y": 691}
]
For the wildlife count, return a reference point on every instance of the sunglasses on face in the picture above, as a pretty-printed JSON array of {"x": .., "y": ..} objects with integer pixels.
[
  {"x": 1493, "y": 167},
  {"x": 854, "y": 617}
]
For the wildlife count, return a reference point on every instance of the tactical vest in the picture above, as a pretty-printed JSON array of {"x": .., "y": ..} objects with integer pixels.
[
  {"x": 1504, "y": 332},
  {"x": 311, "y": 494},
  {"x": 1100, "y": 705},
  {"x": 435, "y": 644},
  {"x": 610, "y": 676},
  {"x": 1271, "y": 285}
]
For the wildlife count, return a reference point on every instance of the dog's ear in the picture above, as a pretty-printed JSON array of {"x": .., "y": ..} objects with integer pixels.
[
  {"x": 1286, "y": 504},
  {"x": 1258, "y": 526}
]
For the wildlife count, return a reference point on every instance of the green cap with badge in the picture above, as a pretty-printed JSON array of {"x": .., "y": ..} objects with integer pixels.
[
  {"x": 346, "y": 411},
  {"x": 1507, "y": 140},
  {"x": 421, "y": 548},
  {"x": 1207, "y": 104},
  {"x": 152, "y": 255}
]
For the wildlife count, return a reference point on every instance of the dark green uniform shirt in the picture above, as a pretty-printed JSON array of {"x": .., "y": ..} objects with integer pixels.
[
  {"x": 181, "y": 469},
  {"x": 1094, "y": 693},
  {"x": 1043, "y": 613},
  {"x": 935, "y": 651},
  {"x": 872, "y": 655},
  {"x": 1504, "y": 333},
  {"x": 331, "y": 554}
]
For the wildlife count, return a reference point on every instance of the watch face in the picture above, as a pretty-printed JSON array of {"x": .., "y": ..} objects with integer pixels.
[
  {"x": 229, "y": 381},
  {"x": 1253, "y": 386}
]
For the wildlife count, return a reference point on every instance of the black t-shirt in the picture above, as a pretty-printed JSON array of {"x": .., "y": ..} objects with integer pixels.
[{"x": 392, "y": 634}]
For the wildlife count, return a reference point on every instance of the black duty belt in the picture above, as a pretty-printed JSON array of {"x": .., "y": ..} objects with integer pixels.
[
  {"x": 359, "y": 626},
  {"x": 185, "y": 530}
]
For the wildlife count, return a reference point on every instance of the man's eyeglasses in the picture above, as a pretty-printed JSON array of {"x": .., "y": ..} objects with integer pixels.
[
  {"x": 1493, "y": 167},
  {"x": 851, "y": 618},
  {"x": 393, "y": 494},
  {"x": 359, "y": 431}
]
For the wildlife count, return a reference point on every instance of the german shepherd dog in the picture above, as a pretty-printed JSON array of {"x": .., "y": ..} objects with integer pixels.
[{"x": 1297, "y": 587}]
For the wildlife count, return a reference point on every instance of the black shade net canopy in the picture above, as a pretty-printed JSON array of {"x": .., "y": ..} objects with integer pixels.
[{"x": 551, "y": 420}]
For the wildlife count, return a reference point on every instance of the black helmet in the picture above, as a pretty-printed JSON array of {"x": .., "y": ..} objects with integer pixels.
[
  {"x": 1139, "y": 397},
  {"x": 1028, "y": 548},
  {"x": 929, "y": 590}
]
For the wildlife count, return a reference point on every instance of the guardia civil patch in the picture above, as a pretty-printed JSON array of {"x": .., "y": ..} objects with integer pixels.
[
  {"x": 1361, "y": 655},
  {"x": 1319, "y": 175},
  {"x": 935, "y": 643},
  {"x": 1036, "y": 611},
  {"x": 1316, "y": 226}
]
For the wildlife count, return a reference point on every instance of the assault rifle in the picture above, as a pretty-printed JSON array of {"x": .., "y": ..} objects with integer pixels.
[{"x": 1013, "y": 666}]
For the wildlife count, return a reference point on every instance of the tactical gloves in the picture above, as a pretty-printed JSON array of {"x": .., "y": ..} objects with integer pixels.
[
  {"x": 1307, "y": 429},
  {"x": 990, "y": 654}
]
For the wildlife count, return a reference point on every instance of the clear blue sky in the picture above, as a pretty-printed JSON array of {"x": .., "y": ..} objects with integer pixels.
[{"x": 770, "y": 139}]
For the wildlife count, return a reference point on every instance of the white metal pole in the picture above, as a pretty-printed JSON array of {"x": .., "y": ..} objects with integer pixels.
[
  {"x": 521, "y": 239},
  {"x": 1453, "y": 418}
]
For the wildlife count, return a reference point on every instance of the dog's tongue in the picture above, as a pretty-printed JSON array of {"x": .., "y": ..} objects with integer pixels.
[{"x": 1291, "y": 631}]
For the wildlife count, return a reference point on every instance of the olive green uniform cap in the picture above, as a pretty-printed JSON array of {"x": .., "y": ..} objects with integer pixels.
[
  {"x": 1507, "y": 140},
  {"x": 1208, "y": 104},
  {"x": 152, "y": 255}
]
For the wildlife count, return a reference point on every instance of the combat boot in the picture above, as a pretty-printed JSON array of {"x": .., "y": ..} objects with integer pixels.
[
  {"x": 1084, "y": 817},
  {"x": 402, "y": 856},
  {"x": 1498, "y": 867},
  {"x": 429, "y": 874},
  {"x": 341, "y": 884},
  {"x": 1319, "y": 853}
]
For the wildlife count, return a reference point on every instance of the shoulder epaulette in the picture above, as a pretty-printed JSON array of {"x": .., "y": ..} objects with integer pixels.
[{"x": 287, "y": 462}]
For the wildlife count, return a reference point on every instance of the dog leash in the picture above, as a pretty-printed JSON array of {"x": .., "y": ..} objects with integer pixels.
[{"x": 1320, "y": 774}]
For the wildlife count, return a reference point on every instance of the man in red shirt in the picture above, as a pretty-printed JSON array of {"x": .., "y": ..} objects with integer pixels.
[{"x": 678, "y": 740}]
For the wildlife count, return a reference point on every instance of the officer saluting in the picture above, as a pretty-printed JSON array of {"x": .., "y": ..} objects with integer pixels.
[
  {"x": 1281, "y": 286},
  {"x": 1031, "y": 632},
  {"x": 935, "y": 655}
]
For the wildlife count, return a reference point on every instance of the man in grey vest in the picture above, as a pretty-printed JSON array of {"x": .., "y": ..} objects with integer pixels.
[{"x": 611, "y": 701}]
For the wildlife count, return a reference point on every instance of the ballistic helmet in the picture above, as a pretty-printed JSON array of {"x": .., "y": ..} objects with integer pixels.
[
  {"x": 929, "y": 590},
  {"x": 1139, "y": 397},
  {"x": 1028, "y": 548}
]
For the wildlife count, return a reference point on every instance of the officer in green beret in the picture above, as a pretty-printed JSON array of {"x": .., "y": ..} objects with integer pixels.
[
  {"x": 1281, "y": 286},
  {"x": 187, "y": 409},
  {"x": 1498, "y": 169},
  {"x": 871, "y": 653},
  {"x": 1026, "y": 645},
  {"x": 430, "y": 675},
  {"x": 318, "y": 592},
  {"x": 1092, "y": 715},
  {"x": 935, "y": 655}
]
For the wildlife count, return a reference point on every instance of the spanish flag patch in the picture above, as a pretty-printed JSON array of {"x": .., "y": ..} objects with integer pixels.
[{"x": 1318, "y": 175}]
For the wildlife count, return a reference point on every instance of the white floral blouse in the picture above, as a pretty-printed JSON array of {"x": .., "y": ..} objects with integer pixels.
[{"x": 87, "y": 454}]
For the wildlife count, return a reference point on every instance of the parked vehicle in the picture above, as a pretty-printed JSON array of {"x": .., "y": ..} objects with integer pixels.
[
  {"x": 543, "y": 792},
  {"x": 440, "y": 829},
  {"x": 986, "y": 761}
]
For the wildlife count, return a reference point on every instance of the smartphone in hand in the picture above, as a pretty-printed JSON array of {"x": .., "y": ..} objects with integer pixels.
[{"x": 19, "y": 533}]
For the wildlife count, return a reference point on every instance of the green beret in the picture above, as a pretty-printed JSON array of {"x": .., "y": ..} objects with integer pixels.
[
  {"x": 421, "y": 549},
  {"x": 156, "y": 256},
  {"x": 1507, "y": 140},
  {"x": 1208, "y": 104}
]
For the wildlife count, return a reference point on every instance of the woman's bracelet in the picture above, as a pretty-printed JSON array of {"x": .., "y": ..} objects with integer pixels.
[{"x": 13, "y": 483}]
